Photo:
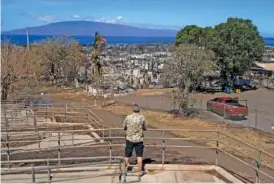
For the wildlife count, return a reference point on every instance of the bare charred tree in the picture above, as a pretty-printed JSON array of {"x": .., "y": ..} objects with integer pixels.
[
  {"x": 186, "y": 68},
  {"x": 36, "y": 74},
  {"x": 14, "y": 65},
  {"x": 74, "y": 60},
  {"x": 61, "y": 58}
]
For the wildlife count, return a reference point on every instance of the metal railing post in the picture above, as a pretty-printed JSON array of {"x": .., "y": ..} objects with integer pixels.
[
  {"x": 33, "y": 175},
  {"x": 258, "y": 160},
  {"x": 49, "y": 172},
  {"x": 72, "y": 136},
  {"x": 110, "y": 146},
  {"x": 8, "y": 147},
  {"x": 38, "y": 139},
  {"x": 103, "y": 131},
  {"x": 66, "y": 112},
  {"x": 35, "y": 123},
  {"x": 163, "y": 148},
  {"x": 59, "y": 150},
  {"x": 121, "y": 172},
  {"x": 256, "y": 119},
  {"x": 47, "y": 108},
  {"x": 217, "y": 149},
  {"x": 52, "y": 112}
]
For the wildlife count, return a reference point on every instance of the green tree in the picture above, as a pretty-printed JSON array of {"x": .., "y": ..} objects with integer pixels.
[
  {"x": 238, "y": 45},
  {"x": 189, "y": 35},
  {"x": 202, "y": 37}
]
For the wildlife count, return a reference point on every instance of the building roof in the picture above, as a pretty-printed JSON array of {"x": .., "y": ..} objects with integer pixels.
[{"x": 266, "y": 66}]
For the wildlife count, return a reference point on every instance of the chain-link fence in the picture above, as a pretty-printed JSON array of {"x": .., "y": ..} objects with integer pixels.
[{"x": 259, "y": 116}]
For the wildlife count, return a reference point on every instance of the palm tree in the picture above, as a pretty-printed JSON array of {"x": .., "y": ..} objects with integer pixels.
[{"x": 99, "y": 42}]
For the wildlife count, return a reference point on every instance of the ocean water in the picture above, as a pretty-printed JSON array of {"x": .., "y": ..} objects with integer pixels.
[{"x": 87, "y": 40}]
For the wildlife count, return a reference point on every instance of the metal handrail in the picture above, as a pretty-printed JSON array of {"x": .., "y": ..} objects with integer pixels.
[
  {"x": 163, "y": 146},
  {"x": 110, "y": 138},
  {"x": 120, "y": 129},
  {"x": 171, "y": 146},
  {"x": 48, "y": 168},
  {"x": 247, "y": 144}
]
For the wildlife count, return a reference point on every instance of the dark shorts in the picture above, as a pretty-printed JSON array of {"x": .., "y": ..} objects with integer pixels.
[{"x": 138, "y": 146}]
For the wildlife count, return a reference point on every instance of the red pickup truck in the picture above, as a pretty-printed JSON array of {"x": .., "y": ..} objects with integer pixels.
[{"x": 228, "y": 107}]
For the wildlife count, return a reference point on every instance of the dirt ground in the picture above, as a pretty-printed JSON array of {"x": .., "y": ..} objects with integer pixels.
[{"x": 153, "y": 91}]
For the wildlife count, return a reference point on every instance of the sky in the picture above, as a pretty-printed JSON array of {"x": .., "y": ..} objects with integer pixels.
[{"x": 164, "y": 14}]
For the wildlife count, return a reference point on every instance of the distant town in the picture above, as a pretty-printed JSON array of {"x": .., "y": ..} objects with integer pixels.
[
  {"x": 138, "y": 66},
  {"x": 135, "y": 66}
]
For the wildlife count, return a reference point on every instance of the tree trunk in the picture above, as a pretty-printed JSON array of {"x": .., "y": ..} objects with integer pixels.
[{"x": 4, "y": 92}]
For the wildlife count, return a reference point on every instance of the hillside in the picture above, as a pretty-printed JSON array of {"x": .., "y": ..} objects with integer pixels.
[{"x": 87, "y": 28}]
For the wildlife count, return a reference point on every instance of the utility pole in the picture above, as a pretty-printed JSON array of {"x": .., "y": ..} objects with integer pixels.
[{"x": 27, "y": 38}]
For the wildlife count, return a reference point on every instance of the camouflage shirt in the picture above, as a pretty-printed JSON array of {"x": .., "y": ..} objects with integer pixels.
[{"x": 134, "y": 125}]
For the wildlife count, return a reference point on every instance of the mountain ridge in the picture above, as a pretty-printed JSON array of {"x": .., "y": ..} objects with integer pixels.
[{"x": 88, "y": 28}]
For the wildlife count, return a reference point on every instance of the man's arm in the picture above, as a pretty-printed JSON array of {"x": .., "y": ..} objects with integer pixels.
[
  {"x": 144, "y": 124},
  {"x": 125, "y": 124}
]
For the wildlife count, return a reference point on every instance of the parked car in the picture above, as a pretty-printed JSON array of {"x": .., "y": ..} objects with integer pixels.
[
  {"x": 244, "y": 84},
  {"x": 228, "y": 107},
  {"x": 213, "y": 86}
]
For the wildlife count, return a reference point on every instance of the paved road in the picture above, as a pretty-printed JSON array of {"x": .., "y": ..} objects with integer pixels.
[{"x": 261, "y": 108}]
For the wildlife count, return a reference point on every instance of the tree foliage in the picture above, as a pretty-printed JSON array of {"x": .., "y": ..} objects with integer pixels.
[
  {"x": 186, "y": 68},
  {"x": 189, "y": 35},
  {"x": 238, "y": 46},
  {"x": 236, "y": 43}
]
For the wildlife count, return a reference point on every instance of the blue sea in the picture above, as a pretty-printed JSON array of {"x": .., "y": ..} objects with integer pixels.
[{"x": 87, "y": 40}]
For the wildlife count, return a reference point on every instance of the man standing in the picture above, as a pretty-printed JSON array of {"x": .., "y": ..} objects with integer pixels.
[{"x": 135, "y": 125}]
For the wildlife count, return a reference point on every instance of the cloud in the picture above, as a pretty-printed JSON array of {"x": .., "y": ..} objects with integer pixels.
[
  {"x": 47, "y": 18},
  {"x": 156, "y": 26},
  {"x": 75, "y": 16},
  {"x": 44, "y": 18},
  {"x": 113, "y": 20},
  {"x": 119, "y": 18}
]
